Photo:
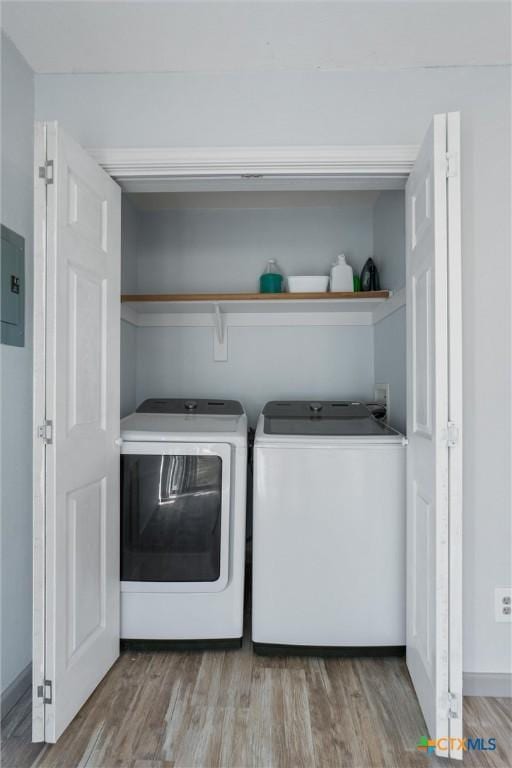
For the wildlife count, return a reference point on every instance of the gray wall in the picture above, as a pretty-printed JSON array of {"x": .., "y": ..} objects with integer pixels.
[
  {"x": 389, "y": 334},
  {"x": 365, "y": 107},
  {"x": 128, "y": 368},
  {"x": 129, "y": 234},
  {"x": 389, "y": 238},
  {"x": 390, "y": 364},
  {"x": 264, "y": 364},
  {"x": 226, "y": 249},
  {"x": 16, "y": 373}
]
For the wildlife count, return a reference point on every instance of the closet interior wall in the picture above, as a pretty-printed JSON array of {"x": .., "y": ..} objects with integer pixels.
[
  {"x": 197, "y": 242},
  {"x": 129, "y": 234},
  {"x": 390, "y": 333}
]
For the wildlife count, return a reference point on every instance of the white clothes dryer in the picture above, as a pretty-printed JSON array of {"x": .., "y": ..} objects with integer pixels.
[{"x": 183, "y": 502}]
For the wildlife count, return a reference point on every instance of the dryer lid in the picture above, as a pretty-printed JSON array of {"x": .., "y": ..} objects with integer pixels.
[
  {"x": 322, "y": 417},
  {"x": 192, "y": 405}
]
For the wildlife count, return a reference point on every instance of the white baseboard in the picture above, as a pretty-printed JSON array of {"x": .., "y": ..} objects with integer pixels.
[
  {"x": 487, "y": 684},
  {"x": 13, "y": 693}
]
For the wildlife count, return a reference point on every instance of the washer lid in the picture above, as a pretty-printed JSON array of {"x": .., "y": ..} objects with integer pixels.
[
  {"x": 322, "y": 417},
  {"x": 191, "y": 405}
]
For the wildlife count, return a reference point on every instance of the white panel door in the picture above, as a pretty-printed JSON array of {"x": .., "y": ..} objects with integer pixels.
[
  {"x": 434, "y": 599},
  {"x": 76, "y": 510}
]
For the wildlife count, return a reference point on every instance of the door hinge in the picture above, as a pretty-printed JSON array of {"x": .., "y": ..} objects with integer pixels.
[
  {"x": 44, "y": 692},
  {"x": 45, "y": 432},
  {"x": 453, "y": 706},
  {"x": 46, "y": 172},
  {"x": 452, "y": 434},
  {"x": 451, "y": 165}
]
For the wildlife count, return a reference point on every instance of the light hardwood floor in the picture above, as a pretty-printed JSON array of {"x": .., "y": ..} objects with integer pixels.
[{"x": 232, "y": 708}]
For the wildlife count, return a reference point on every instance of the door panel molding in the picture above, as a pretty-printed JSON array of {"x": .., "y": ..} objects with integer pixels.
[
  {"x": 455, "y": 413},
  {"x": 76, "y": 462},
  {"x": 39, "y": 450},
  {"x": 434, "y": 540}
]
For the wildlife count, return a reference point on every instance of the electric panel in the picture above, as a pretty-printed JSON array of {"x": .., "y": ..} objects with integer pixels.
[{"x": 12, "y": 288}]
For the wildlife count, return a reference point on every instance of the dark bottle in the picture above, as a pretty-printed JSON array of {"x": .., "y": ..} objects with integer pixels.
[{"x": 370, "y": 276}]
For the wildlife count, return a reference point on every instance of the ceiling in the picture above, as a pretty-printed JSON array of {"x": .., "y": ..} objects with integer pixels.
[{"x": 192, "y": 36}]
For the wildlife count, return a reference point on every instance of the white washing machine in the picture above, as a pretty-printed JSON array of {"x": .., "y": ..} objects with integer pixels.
[
  {"x": 329, "y": 530},
  {"x": 183, "y": 500}
]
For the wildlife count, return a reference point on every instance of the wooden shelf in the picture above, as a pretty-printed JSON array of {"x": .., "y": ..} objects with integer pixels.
[
  {"x": 307, "y": 304},
  {"x": 237, "y": 297}
]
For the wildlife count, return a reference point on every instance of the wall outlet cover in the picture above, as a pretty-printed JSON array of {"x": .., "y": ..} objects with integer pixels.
[
  {"x": 381, "y": 395},
  {"x": 503, "y": 604}
]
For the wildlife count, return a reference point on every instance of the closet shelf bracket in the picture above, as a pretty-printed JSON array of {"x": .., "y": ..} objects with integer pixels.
[{"x": 220, "y": 336}]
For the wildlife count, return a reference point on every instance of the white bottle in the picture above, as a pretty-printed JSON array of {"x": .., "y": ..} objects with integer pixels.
[{"x": 342, "y": 278}]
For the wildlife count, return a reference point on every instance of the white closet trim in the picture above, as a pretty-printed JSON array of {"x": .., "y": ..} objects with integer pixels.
[{"x": 378, "y": 162}]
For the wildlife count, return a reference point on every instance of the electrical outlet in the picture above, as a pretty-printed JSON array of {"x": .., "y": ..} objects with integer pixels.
[
  {"x": 381, "y": 395},
  {"x": 503, "y": 603}
]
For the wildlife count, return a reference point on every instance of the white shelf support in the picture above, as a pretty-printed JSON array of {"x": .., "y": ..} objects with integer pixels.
[
  {"x": 220, "y": 336},
  {"x": 386, "y": 308}
]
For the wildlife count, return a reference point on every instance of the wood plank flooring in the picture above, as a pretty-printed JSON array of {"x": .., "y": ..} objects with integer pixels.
[{"x": 233, "y": 709}]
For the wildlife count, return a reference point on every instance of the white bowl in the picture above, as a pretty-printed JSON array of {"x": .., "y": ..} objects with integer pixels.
[{"x": 308, "y": 283}]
